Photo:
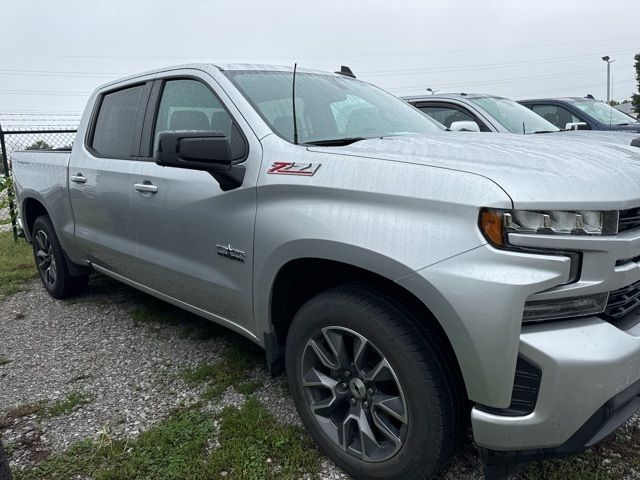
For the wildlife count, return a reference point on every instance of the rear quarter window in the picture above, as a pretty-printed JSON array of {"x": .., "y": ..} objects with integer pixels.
[{"x": 118, "y": 123}]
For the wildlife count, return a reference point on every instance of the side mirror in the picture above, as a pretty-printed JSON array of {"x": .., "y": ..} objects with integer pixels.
[
  {"x": 200, "y": 150},
  {"x": 464, "y": 126},
  {"x": 577, "y": 126},
  {"x": 195, "y": 150},
  {"x": 635, "y": 142}
]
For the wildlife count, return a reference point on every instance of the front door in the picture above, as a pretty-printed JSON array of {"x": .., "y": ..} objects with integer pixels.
[{"x": 195, "y": 241}]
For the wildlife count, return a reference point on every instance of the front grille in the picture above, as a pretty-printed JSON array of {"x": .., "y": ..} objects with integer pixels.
[
  {"x": 629, "y": 219},
  {"x": 623, "y": 301}
]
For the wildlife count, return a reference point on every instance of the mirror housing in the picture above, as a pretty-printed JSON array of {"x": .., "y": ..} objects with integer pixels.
[
  {"x": 200, "y": 150},
  {"x": 577, "y": 126},
  {"x": 464, "y": 126},
  {"x": 195, "y": 150}
]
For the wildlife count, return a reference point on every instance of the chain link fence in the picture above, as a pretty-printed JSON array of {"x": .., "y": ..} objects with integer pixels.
[{"x": 27, "y": 132}]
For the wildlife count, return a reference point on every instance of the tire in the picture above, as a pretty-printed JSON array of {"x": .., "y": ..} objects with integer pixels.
[
  {"x": 412, "y": 397},
  {"x": 51, "y": 263}
]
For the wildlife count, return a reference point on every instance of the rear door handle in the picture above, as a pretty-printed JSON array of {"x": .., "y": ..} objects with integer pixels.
[
  {"x": 79, "y": 178},
  {"x": 145, "y": 187}
]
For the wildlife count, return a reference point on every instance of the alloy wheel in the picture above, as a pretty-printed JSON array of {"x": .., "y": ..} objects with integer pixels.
[
  {"x": 354, "y": 394},
  {"x": 45, "y": 259}
]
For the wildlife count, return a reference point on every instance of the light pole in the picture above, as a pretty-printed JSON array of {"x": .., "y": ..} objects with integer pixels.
[{"x": 609, "y": 62}]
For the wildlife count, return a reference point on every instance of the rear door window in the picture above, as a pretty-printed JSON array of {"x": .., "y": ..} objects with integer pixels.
[{"x": 119, "y": 122}]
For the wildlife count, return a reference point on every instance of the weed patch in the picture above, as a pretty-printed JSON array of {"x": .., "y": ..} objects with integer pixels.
[
  {"x": 16, "y": 264},
  {"x": 253, "y": 445},
  {"x": 238, "y": 359},
  {"x": 68, "y": 404}
]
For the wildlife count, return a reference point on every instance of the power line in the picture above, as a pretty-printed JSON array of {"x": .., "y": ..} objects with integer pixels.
[
  {"x": 498, "y": 81},
  {"x": 334, "y": 56},
  {"x": 40, "y": 92},
  {"x": 482, "y": 66}
]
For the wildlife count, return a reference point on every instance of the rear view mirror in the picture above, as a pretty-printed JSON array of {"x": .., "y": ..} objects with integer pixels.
[
  {"x": 577, "y": 126},
  {"x": 464, "y": 126},
  {"x": 195, "y": 150}
]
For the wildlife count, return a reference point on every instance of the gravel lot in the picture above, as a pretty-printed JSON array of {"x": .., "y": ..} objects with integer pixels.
[{"x": 126, "y": 369}]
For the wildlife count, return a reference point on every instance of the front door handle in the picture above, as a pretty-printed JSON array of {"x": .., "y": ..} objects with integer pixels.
[
  {"x": 79, "y": 178},
  {"x": 145, "y": 187}
]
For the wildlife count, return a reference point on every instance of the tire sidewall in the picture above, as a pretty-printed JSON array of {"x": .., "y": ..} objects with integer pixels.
[{"x": 421, "y": 444}]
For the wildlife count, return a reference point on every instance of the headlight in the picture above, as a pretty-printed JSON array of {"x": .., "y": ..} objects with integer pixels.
[{"x": 497, "y": 224}]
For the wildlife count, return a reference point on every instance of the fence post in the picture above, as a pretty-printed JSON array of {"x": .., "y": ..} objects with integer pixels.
[{"x": 5, "y": 165}]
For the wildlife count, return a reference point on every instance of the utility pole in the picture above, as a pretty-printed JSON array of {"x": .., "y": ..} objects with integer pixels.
[{"x": 607, "y": 59}]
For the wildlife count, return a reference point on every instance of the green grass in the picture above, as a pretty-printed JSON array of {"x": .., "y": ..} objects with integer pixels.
[
  {"x": 4, "y": 360},
  {"x": 584, "y": 467},
  {"x": 250, "y": 435},
  {"x": 238, "y": 359},
  {"x": 16, "y": 264},
  {"x": 68, "y": 404},
  {"x": 177, "y": 448}
]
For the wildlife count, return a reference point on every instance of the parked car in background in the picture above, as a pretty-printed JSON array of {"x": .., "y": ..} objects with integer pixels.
[
  {"x": 595, "y": 114},
  {"x": 410, "y": 280},
  {"x": 489, "y": 113}
]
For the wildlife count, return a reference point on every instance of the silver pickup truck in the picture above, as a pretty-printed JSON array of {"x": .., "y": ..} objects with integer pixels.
[{"x": 410, "y": 281}]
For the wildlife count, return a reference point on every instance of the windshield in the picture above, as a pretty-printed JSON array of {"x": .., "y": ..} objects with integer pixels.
[
  {"x": 603, "y": 112},
  {"x": 514, "y": 117},
  {"x": 328, "y": 107}
]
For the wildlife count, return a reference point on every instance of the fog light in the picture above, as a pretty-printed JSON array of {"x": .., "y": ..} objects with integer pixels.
[{"x": 557, "y": 308}]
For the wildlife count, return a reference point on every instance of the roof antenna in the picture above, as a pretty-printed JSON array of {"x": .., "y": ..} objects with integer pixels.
[
  {"x": 346, "y": 71},
  {"x": 293, "y": 101}
]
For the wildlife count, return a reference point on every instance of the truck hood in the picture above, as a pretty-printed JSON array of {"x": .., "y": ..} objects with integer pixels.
[{"x": 536, "y": 171}]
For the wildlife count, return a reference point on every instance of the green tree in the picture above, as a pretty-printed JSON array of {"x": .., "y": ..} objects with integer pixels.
[
  {"x": 39, "y": 145},
  {"x": 635, "y": 98}
]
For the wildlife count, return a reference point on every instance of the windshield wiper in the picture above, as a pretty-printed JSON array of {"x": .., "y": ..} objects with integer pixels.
[
  {"x": 545, "y": 131},
  {"x": 335, "y": 142}
]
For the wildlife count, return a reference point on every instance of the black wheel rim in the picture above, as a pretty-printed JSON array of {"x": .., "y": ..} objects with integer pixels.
[
  {"x": 354, "y": 394},
  {"x": 44, "y": 259}
]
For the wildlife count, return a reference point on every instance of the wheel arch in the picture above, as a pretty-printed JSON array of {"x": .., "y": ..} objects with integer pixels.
[
  {"x": 32, "y": 208},
  {"x": 301, "y": 278}
]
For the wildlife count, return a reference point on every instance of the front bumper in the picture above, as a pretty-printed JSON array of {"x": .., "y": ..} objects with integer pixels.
[
  {"x": 590, "y": 385},
  {"x": 479, "y": 296}
]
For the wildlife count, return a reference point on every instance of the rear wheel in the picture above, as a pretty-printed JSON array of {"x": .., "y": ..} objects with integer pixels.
[
  {"x": 373, "y": 393},
  {"x": 51, "y": 263}
]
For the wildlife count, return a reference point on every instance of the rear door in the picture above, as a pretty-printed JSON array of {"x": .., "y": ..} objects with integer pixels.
[
  {"x": 100, "y": 174},
  {"x": 195, "y": 241}
]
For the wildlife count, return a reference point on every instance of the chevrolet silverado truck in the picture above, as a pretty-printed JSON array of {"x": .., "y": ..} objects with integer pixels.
[{"x": 410, "y": 281}]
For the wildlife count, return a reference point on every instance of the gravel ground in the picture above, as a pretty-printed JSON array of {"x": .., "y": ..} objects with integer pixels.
[{"x": 128, "y": 368}]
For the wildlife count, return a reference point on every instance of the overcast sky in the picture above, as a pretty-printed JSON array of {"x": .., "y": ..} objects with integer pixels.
[{"x": 54, "y": 53}]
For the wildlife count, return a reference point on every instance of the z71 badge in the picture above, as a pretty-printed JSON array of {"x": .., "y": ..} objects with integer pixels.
[{"x": 292, "y": 168}]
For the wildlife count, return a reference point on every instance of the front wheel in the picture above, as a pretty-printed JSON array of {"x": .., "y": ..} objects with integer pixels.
[
  {"x": 372, "y": 391},
  {"x": 51, "y": 263}
]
